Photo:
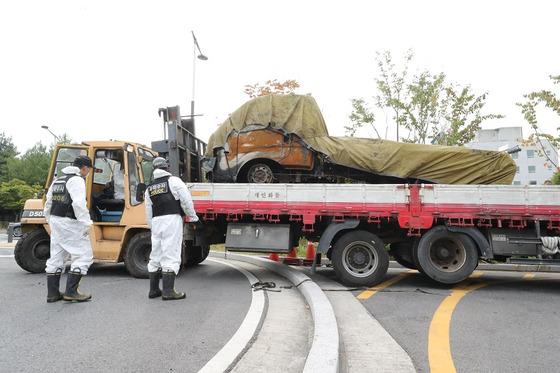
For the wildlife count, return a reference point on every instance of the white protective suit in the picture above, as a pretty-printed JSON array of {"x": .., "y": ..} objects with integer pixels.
[
  {"x": 118, "y": 185},
  {"x": 70, "y": 236},
  {"x": 167, "y": 230}
]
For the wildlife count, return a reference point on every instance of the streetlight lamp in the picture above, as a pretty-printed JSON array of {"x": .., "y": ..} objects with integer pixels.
[
  {"x": 201, "y": 57},
  {"x": 56, "y": 138}
]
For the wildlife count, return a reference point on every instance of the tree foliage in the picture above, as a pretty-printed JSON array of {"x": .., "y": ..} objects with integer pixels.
[
  {"x": 426, "y": 105},
  {"x": 361, "y": 115},
  {"x": 539, "y": 138},
  {"x": 23, "y": 176},
  {"x": 7, "y": 152},
  {"x": 33, "y": 166},
  {"x": 14, "y": 193},
  {"x": 391, "y": 85},
  {"x": 288, "y": 87}
]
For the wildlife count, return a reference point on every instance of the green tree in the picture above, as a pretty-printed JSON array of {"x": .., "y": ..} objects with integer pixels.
[
  {"x": 461, "y": 116},
  {"x": 429, "y": 107},
  {"x": 422, "y": 114},
  {"x": 33, "y": 166},
  {"x": 392, "y": 85},
  {"x": 361, "y": 115},
  {"x": 13, "y": 195},
  {"x": 7, "y": 152},
  {"x": 539, "y": 138}
]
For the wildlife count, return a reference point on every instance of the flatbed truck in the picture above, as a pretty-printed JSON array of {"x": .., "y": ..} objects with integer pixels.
[{"x": 441, "y": 230}]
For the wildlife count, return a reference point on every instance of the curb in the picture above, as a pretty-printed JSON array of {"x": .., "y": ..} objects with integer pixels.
[
  {"x": 506, "y": 267},
  {"x": 323, "y": 355}
]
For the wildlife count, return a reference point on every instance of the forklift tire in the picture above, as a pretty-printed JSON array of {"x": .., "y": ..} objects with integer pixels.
[
  {"x": 137, "y": 254},
  {"x": 32, "y": 250}
]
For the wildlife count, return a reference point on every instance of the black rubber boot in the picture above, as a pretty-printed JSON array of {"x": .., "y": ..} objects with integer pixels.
[
  {"x": 169, "y": 293},
  {"x": 73, "y": 292},
  {"x": 155, "y": 291},
  {"x": 53, "y": 287}
]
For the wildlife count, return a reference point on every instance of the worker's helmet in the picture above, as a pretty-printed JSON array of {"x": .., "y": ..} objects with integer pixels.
[
  {"x": 161, "y": 163},
  {"x": 82, "y": 160}
]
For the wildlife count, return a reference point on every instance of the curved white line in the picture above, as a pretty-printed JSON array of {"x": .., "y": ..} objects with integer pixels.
[{"x": 227, "y": 355}]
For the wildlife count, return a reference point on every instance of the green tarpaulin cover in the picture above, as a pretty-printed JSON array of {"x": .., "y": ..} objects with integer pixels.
[{"x": 435, "y": 163}]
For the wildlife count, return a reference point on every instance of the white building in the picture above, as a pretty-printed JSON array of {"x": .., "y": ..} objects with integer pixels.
[{"x": 532, "y": 168}]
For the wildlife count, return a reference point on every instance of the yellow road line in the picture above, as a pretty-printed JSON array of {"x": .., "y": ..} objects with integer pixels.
[
  {"x": 369, "y": 292},
  {"x": 439, "y": 350}
]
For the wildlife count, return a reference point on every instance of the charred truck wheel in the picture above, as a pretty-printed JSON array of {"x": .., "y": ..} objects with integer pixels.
[
  {"x": 260, "y": 173},
  {"x": 32, "y": 250},
  {"x": 446, "y": 257},
  {"x": 360, "y": 258}
]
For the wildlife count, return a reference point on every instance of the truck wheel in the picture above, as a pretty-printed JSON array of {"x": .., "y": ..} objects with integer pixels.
[
  {"x": 402, "y": 253},
  {"x": 359, "y": 258},
  {"x": 405, "y": 263},
  {"x": 260, "y": 173},
  {"x": 196, "y": 254},
  {"x": 137, "y": 255},
  {"x": 446, "y": 257},
  {"x": 32, "y": 250}
]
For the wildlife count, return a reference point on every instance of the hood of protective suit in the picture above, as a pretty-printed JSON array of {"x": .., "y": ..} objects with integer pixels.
[
  {"x": 434, "y": 163},
  {"x": 71, "y": 170},
  {"x": 158, "y": 172}
]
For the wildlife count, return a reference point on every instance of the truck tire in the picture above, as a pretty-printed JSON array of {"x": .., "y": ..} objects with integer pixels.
[
  {"x": 402, "y": 252},
  {"x": 32, "y": 250},
  {"x": 137, "y": 254},
  {"x": 196, "y": 254},
  {"x": 446, "y": 257},
  {"x": 359, "y": 258}
]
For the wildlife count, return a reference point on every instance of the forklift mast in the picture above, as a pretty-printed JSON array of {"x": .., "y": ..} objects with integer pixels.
[{"x": 180, "y": 147}]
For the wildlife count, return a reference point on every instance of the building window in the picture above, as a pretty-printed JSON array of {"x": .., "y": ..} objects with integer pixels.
[
  {"x": 532, "y": 169},
  {"x": 517, "y": 170},
  {"x": 533, "y": 182},
  {"x": 516, "y": 182},
  {"x": 515, "y": 155},
  {"x": 530, "y": 154}
]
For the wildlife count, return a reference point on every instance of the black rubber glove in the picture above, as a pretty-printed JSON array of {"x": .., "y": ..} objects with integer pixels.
[{"x": 198, "y": 225}]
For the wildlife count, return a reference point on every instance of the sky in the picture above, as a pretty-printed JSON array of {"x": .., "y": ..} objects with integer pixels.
[{"x": 98, "y": 70}]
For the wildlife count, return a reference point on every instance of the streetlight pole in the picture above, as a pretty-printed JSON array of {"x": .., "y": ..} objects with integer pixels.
[
  {"x": 201, "y": 57},
  {"x": 56, "y": 138}
]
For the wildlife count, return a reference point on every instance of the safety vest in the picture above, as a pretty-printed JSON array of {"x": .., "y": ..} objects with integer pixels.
[
  {"x": 163, "y": 202},
  {"x": 61, "y": 200}
]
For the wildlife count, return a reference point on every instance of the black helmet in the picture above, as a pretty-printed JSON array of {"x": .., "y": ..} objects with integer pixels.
[
  {"x": 82, "y": 160},
  {"x": 160, "y": 162}
]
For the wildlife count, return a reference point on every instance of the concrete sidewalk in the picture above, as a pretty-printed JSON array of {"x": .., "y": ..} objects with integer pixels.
[{"x": 346, "y": 336}]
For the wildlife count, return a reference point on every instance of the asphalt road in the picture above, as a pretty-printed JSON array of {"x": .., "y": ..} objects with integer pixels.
[
  {"x": 120, "y": 329},
  {"x": 496, "y": 321},
  {"x": 499, "y": 321}
]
